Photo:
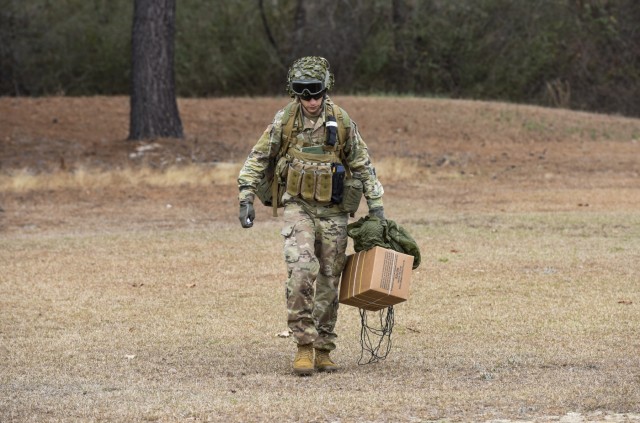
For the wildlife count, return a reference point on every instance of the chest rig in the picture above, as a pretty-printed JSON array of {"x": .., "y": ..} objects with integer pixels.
[{"x": 311, "y": 169}]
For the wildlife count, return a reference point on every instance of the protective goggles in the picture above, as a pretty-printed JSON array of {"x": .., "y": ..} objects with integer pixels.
[
  {"x": 308, "y": 89},
  {"x": 307, "y": 97}
]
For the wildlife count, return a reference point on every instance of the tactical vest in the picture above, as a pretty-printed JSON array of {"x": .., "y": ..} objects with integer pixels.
[{"x": 307, "y": 174}]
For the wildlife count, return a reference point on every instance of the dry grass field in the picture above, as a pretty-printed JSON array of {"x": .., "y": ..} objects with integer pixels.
[{"x": 129, "y": 291}]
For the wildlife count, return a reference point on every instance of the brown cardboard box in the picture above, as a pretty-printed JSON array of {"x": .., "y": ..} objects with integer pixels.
[{"x": 376, "y": 278}]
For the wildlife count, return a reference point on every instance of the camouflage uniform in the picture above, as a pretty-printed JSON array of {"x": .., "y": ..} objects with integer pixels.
[{"x": 315, "y": 234}]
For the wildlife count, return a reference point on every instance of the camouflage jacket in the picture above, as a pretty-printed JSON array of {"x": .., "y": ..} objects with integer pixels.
[{"x": 355, "y": 152}]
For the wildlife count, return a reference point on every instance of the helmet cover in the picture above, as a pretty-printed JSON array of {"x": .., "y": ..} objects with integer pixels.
[{"x": 310, "y": 68}]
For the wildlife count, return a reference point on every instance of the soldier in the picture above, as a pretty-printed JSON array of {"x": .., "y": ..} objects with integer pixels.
[{"x": 318, "y": 155}]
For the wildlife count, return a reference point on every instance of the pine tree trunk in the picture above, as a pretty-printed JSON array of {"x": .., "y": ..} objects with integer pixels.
[{"x": 154, "y": 109}]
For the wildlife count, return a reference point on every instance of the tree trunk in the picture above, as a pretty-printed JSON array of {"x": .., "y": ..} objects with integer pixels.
[{"x": 154, "y": 109}]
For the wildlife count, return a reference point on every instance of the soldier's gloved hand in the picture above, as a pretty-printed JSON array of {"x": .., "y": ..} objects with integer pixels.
[
  {"x": 247, "y": 214},
  {"x": 377, "y": 212}
]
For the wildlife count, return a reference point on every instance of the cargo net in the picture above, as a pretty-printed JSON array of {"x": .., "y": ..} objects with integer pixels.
[{"x": 376, "y": 340}]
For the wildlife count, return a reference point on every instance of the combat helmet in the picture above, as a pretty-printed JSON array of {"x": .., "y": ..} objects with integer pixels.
[{"x": 309, "y": 75}]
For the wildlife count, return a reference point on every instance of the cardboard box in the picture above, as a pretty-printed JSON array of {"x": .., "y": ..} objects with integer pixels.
[{"x": 376, "y": 279}]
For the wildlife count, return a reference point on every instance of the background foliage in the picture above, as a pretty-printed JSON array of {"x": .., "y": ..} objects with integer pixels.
[{"x": 581, "y": 54}]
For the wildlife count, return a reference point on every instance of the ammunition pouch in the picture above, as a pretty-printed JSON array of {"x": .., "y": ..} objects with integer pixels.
[
  {"x": 312, "y": 181},
  {"x": 321, "y": 178}
]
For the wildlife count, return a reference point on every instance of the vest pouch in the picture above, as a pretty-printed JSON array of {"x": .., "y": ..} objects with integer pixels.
[
  {"x": 280, "y": 173},
  {"x": 281, "y": 169},
  {"x": 338, "y": 174},
  {"x": 323, "y": 186},
  {"x": 308, "y": 185},
  {"x": 351, "y": 195},
  {"x": 294, "y": 180}
]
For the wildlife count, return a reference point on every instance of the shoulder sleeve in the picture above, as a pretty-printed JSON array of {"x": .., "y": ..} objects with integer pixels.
[{"x": 260, "y": 157}]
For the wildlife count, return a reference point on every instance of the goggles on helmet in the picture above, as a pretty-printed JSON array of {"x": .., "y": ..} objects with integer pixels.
[{"x": 309, "y": 89}]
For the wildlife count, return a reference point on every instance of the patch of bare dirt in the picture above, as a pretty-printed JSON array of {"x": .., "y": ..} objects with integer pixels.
[
  {"x": 48, "y": 133},
  {"x": 470, "y": 155}
]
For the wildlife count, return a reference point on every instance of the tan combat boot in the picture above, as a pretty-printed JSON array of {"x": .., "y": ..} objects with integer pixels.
[
  {"x": 323, "y": 362},
  {"x": 303, "y": 361}
]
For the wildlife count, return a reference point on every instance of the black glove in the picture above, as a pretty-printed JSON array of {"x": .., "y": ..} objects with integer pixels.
[
  {"x": 377, "y": 212},
  {"x": 247, "y": 214}
]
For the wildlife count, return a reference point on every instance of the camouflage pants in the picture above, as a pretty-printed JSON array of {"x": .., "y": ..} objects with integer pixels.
[{"x": 314, "y": 249}]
